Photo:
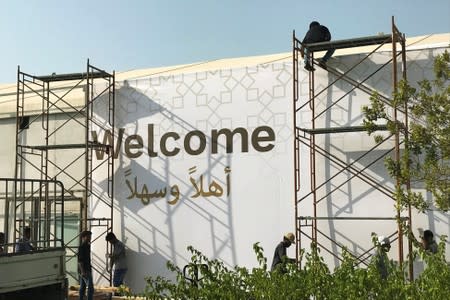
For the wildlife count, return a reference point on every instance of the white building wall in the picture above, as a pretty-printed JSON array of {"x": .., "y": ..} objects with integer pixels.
[
  {"x": 346, "y": 197},
  {"x": 256, "y": 204},
  {"x": 260, "y": 205}
]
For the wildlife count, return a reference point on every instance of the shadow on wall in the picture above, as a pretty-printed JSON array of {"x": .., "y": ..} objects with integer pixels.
[
  {"x": 340, "y": 105},
  {"x": 372, "y": 73},
  {"x": 136, "y": 274}
]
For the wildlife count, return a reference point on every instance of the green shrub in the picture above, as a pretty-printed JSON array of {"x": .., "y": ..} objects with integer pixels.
[{"x": 313, "y": 280}]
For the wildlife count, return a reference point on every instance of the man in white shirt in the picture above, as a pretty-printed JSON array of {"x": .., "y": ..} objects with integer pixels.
[{"x": 118, "y": 259}]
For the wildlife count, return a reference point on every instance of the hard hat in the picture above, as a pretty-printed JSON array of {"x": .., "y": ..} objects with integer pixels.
[
  {"x": 382, "y": 240},
  {"x": 290, "y": 236}
]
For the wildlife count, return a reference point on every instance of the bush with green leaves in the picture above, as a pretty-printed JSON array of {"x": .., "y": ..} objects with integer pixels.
[
  {"x": 310, "y": 279},
  {"x": 425, "y": 158}
]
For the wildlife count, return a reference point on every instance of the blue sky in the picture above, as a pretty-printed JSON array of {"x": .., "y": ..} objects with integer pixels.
[{"x": 46, "y": 36}]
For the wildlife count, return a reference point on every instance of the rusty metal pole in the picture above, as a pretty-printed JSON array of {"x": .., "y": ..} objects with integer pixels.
[
  {"x": 111, "y": 152},
  {"x": 47, "y": 201},
  {"x": 85, "y": 200},
  {"x": 294, "y": 101},
  {"x": 397, "y": 136},
  {"x": 18, "y": 172},
  {"x": 408, "y": 182},
  {"x": 313, "y": 147}
]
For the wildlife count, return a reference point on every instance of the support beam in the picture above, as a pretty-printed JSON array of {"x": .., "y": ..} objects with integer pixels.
[
  {"x": 340, "y": 129},
  {"x": 350, "y": 43}
]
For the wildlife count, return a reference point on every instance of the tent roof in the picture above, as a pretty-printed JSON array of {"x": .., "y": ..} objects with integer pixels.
[{"x": 76, "y": 97}]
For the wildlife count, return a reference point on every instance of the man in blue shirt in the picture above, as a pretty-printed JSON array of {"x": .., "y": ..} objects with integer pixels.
[{"x": 24, "y": 244}]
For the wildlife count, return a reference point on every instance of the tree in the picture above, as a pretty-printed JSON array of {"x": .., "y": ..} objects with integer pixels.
[{"x": 425, "y": 157}]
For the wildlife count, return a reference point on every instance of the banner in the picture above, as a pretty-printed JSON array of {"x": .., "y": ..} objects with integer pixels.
[{"x": 202, "y": 159}]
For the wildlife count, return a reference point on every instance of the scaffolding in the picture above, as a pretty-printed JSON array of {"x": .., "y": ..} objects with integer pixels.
[
  {"x": 55, "y": 117},
  {"x": 305, "y": 138}
]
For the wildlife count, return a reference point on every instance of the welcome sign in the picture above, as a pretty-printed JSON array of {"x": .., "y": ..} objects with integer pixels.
[{"x": 202, "y": 159}]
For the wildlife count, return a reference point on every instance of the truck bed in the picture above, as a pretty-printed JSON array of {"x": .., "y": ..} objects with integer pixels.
[{"x": 20, "y": 271}]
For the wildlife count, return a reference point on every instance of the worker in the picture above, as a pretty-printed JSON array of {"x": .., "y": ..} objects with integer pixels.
[
  {"x": 428, "y": 242},
  {"x": 280, "y": 255},
  {"x": 316, "y": 33},
  {"x": 117, "y": 259},
  {"x": 24, "y": 243},
  {"x": 84, "y": 265}
]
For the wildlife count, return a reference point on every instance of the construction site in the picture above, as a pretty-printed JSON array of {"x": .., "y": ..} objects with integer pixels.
[{"x": 216, "y": 155}]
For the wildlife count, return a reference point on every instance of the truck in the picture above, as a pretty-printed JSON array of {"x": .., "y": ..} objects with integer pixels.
[{"x": 39, "y": 271}]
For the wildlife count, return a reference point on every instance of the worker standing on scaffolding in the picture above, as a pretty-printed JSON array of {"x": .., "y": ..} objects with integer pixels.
[{"x": 316, "y": 33}]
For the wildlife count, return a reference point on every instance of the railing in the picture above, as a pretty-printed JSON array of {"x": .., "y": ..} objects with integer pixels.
[{"x": 35, "y": 204}]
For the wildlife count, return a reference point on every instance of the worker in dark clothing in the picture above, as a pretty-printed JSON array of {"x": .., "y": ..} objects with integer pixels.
[
  {"x": 84, "y": 265},
  {"x": 428, "y": 242},
  {"x": 280, "y": 253},
  {"x": 2, "y": 242},
  {"x": 316, "y": 33},
  {"x": 24, "y": 243},
  {"x": 380, "y": 259}
]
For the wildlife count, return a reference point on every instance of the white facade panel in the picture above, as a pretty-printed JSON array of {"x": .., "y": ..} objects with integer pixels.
[
  {"x": 234, "y": 191},
  {"x": 175, "y": 188}
]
